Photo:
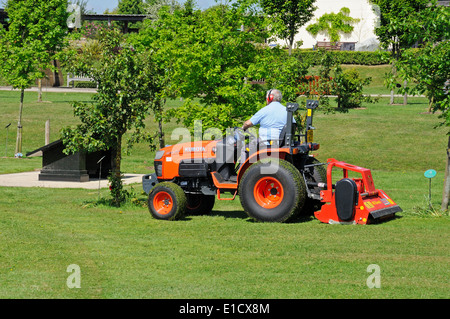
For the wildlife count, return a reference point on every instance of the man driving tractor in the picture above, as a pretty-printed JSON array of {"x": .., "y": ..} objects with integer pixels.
[{"x": 272, "y": 117}]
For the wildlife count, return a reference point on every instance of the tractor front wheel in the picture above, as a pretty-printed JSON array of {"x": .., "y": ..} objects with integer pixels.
[
  {"x": 272, "y": 191},
  {"x": 167, "y": 201}
]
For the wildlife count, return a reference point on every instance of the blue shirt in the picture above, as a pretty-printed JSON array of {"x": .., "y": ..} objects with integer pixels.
[{"x": 271, "y": 118}]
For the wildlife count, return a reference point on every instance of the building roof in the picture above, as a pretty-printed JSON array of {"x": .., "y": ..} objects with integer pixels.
[{"x": 98, "y": 17}]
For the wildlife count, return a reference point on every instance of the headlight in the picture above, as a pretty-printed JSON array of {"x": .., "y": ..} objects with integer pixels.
[{"x": 159, "y": 155}]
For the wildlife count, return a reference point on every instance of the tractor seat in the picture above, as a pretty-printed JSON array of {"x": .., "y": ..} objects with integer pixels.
[{"x": 281, "y": 138}]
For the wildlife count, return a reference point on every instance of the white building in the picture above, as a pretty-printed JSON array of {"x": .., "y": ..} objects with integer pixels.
[{"x": 363, "y": 32}]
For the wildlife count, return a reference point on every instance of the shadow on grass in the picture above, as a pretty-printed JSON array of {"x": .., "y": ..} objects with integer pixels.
[
  {"x": 72, "y": 101},
  {"x": 230, "y": 214},
  {"x": 108, "y": 203},
  {"x": 243, "y": 215}
]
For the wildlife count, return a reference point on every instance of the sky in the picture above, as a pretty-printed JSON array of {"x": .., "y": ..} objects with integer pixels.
[{"x": 99, "y": 6}]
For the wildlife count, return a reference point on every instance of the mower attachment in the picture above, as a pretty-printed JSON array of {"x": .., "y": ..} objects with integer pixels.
[{"x": 353, "y": 200}]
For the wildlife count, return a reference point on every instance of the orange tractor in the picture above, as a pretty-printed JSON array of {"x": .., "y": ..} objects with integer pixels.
[{"x": 275, "y": 180}]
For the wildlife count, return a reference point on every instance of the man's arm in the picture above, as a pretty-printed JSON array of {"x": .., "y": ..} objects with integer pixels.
[{"x": 247, "y": 124}]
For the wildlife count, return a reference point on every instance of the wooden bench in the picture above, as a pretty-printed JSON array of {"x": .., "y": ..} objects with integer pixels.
[
  {"x": 335, "y": 46},
  {"x": 78, "y": 78},
  {"x": 259, "y": 81}
]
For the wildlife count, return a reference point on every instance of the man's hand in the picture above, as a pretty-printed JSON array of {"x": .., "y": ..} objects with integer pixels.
[{"x": 247, "y": 124}]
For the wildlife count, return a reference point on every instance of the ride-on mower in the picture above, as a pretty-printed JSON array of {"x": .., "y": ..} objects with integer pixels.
[{"x": 275, "y": 180}]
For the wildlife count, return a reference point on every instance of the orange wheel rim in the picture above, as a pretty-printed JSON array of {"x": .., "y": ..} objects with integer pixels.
[
  {"x": 268, "y": 192},
  {"x": 163, "y": 203}
]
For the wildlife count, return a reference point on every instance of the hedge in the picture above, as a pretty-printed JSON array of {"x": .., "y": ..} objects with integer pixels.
[{"x": 344, "y": 57}]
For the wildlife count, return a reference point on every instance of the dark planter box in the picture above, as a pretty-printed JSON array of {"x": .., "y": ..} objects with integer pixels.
[{"x": 78, "y": 167}]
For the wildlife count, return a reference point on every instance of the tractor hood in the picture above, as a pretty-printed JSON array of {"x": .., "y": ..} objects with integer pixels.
[{"x": 185, "y": 151}]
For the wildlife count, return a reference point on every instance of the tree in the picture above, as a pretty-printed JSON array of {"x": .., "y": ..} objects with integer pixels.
[
  {"x": 333, "y": 24},
  {"x": 348, "y": 86},
  {"x": 429, "y": 66},
  {"x": 145, "y": 40},
  {"x": 123, "y": 100},
  {"x": 394, "y": 29},
  {"x": 130, "y": 7},
  {"x": 152, "y": 7},
  {"x": 392, "y": 34},
  {"x": 288, "y": 16},
  {"x": 35, "y": 35},
  {"x": 211, "y": 57}
]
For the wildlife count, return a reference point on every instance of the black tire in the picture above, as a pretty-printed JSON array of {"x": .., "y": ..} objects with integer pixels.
[
  {"x": 286, "y": 185},
  {"x": 315, "y": 174},
  {"x": 167, "y": 201},
  {"x": 199, "y": 204}
]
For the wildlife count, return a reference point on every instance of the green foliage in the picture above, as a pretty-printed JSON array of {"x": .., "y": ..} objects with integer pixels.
[
  {"x": 287, "y": 17},
  {"x": 118, "y": 194},
  {"x": 284, "y": 74},
  {"x": 348, "y": 86},
  {"x": 428, "y": 210},
  {"x": 344, "y": 57},
  {"x": 124, "y": 98},
  {"x": 333, "y": 24},
  {"x": 92, "y": 30},
  {"x": 205, "y": 55},
  {"x": 131, "y": 7},
  {"x": 124, "y": 95},
  {"x": 152, "y": 7},
  {"x": 393, "y": 31},
  {"x": 428, "y": 25},
  {"x": 429, "y": 67},
  {"x": 35, "y": 34},
  {"x": 330, "y": 79}
]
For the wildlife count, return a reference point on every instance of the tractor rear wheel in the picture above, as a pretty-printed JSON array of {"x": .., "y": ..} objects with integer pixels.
[
  {"x": 274, "y": 196},
  {"x": 167, "y": 201},
  {"x": 199, "y": 204}
]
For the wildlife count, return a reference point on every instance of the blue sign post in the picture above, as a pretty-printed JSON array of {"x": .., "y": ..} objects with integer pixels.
[{"x": 429, "y": 174}]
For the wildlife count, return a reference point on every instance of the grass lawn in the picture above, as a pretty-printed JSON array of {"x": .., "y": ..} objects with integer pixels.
[{"x": 124, "y": 253}]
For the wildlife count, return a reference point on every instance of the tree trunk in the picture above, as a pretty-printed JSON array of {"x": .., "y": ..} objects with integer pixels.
[
  {"x": 394, "y": 72},
  {"x": 116, "y": 176},
  {"x": 430, "y": 104},
  {"x": 396, "y": 56},
  {"x": 19, "y": 125},
  {"x": 161, "y": 135},
  {"x": 47, "y": 132},
  {"x": 56, "y": 82},
  {"x": 405, "y": 96},
  {"x": 446, "y": 192},
  {"x": 291, "y": 44},
  {"x": 118, "y": 159},
  {"x": 39, "y": 90}
]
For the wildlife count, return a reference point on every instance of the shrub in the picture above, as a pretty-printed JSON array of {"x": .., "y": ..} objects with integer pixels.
[
  {"x": 343, "y": 57},
  {"x": 348, "y": 86}
]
